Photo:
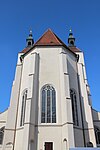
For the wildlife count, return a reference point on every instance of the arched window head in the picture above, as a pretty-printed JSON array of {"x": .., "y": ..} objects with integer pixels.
[
  {"x": 1, "y": 135},
  {"x": 48, "y": 107},
  {"x": 97, "y": 135},
  {"x": 89, "y": 144},
  {"x": 24, "y": 97},
  {"x": 71, "y": 43},
  {"x": 74, "y": 106}
]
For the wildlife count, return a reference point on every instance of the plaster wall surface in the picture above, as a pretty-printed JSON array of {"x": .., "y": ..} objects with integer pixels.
[
  {"x": 78, "y": 137},
  {"x": 51, "y": 72},
  {"x": 58, "y": 67},
  {"x": 96, "y": 118},
  {"x": 3, "y": 118},
  {"x": 86, "y": 106}
]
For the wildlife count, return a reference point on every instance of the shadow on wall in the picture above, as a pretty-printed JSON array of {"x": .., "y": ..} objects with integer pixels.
[
  {"x": 96, "y": 121},
  {"x": 74, "y": 78},
  {"x": 35, "y": 104}
]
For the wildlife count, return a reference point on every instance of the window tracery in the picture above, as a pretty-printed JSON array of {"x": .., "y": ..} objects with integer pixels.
[
  {"x": 48, "y": 109},
  {"x": 97, "y": 135},
  {"x": 74, "y": 106},
  {"x": 24, "y": 97}
]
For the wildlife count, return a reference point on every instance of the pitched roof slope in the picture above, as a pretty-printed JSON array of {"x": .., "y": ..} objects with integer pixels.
[
  {"x": 25, "y": 49},
  {"x": 74, "y": 49},
  {"x": 49, "y": 38}
]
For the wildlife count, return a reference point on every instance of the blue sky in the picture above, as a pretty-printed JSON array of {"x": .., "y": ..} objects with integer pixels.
[{"x": 17, "y": 17}]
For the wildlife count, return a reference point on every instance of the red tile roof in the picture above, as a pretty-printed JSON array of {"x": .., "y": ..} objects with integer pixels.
[
  {"x": 49, "y": 39},
  {"x": 74, "y": 49},
  {"x": 25, "y": 50}
]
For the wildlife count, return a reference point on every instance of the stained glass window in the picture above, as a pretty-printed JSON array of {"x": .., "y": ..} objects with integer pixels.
[{"x": 48, "y": 111}]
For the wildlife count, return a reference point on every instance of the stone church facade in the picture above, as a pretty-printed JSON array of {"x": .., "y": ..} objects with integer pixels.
[{"x": 50, "y": 106}]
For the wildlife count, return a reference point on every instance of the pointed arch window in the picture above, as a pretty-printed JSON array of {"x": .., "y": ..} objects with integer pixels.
[
  {"x": 97, "y": 135},
  {"x": 48, "y": 107},
  {"x": 74, "y": 107},
  {"x": 24, "y": 97},
  {"x": 1, "y": 135}
]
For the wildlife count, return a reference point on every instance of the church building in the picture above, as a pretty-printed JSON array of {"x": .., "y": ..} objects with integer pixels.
[{"x": 50, "y": 106}]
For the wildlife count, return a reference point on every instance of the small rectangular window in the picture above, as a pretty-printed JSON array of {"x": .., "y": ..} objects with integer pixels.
[{"x": 48, "y": 145}]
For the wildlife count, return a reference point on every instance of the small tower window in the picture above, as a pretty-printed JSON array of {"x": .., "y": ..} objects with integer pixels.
[
  {"x": 1, "y": 135},
  {"x": 48, "y": 107},
  {"x": 74, "y": 106},
  {"x": 29, "y": 43},
  {"x": 24, "y": 97},
  {"x": 71, "y": 39},
  {"x": 30, "y": 40},
  {"x": 71, "y": 43}
]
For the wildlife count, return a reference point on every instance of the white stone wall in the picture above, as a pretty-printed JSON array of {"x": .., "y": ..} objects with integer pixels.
[
  {"x": 3, "y": 118},
  {"x": 73, "y": 83},
  {"x": 86, "y": 106},
  {"x": 51, "y": 63},
  {"x": 10, "y": 129},
  {"x": 96, "y": 118},
  {"x": 58, "y": 67}
]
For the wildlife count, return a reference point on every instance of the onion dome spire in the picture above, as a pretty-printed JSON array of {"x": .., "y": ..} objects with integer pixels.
[
  {"x": 71, "y": 39},
  {"x": 30, "y": 40}
]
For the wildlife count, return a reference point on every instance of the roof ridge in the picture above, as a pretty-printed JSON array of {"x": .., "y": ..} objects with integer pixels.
[
  {"x": 60, "y": 40},
  {"x": 42, "y": 35},
  {"x": 56, "y": 37}
]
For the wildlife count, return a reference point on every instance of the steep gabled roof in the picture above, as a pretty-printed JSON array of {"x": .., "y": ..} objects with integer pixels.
[{"x": 48, "y": 39}]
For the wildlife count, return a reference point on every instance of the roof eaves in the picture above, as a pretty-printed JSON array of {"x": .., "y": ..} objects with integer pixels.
[{"x": 65, "y": 46}]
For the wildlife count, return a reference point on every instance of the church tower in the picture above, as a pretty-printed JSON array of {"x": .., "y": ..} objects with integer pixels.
[
  {"x": 29, "y": 40},
  {"x": 50, "y": 106},
  {"x": 71, "y": 39}
]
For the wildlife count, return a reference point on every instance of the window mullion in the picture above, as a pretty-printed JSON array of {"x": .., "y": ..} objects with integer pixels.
[
  {"x": 46, "y": 107},
  {"x": 51, "y": 104}
]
